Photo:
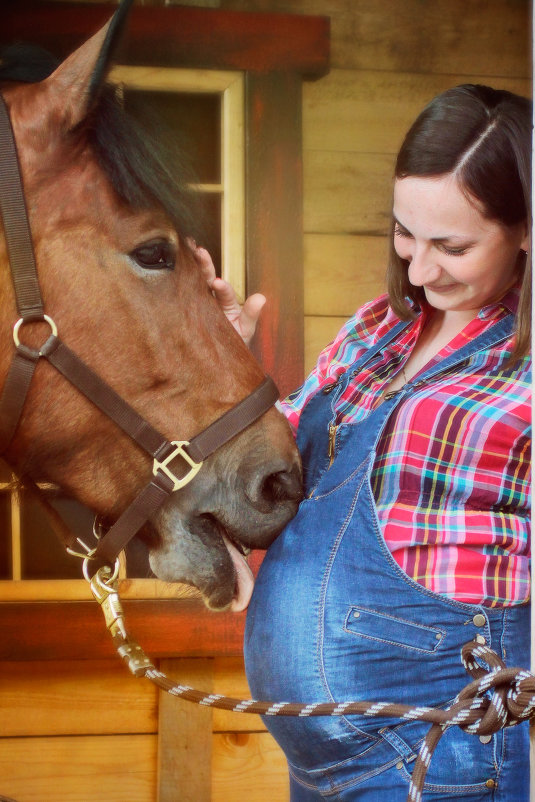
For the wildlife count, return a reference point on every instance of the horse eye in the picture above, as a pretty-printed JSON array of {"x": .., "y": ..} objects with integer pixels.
[{"x": 155, "y": 255}]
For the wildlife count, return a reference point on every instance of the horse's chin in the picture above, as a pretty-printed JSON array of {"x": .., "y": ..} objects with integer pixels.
[{"x": 203, "y": 554}]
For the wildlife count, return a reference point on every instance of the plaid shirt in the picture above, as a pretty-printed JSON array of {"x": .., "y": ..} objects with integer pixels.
[{"x": 451, "y": 478}]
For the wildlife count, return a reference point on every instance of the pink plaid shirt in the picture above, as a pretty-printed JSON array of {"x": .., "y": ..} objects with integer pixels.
[{"x": 451, "y": 478}]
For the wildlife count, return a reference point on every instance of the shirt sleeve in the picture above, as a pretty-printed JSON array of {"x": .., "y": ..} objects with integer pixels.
[{"x": 359, "y": 333}]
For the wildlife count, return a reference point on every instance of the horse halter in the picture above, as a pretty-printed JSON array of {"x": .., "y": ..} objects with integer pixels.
[{"x": 31, "y": 309}]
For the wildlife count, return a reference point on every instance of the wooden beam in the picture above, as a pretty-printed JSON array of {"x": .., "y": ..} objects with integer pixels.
[
  {"x": 76, "y": 630},
  {"x": 181, "y": 36}
]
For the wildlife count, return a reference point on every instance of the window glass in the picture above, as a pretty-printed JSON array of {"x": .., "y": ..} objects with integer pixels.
[
  {"x": 198, "y": 119},
  {"x": 42, "y": 553}
]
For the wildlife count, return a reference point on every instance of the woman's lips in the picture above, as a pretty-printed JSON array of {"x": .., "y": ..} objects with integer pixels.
[{"x": 444, "y": 288}]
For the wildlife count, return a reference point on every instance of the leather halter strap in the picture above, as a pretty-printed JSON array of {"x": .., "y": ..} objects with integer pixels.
[{"x": 30, "y": 306}]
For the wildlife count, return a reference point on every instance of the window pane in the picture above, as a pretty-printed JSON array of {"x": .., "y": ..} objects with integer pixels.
[
  {"x": 43, "y": 555},
  {"x": 197, "y": 120},
  {"x": 210, "y": 204}
]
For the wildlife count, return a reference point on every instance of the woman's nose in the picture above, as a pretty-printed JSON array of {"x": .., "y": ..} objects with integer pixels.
[{"x": 423, "y": 268}]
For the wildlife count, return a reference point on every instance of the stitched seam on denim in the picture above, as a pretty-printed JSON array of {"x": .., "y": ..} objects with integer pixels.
[
  {"x": 341, "y": 763},
  {"x": 392, "y": 642},
  {"x": 497, "y": 742},
  {"x": 402, "y": 621},
  {"x": 348, "y": 783},
  {"x": 404, "y": 750},
  {"x": 321, "y": 608},
  {"x": 450, "y": 789},
  {"x": 344, "y": 482}
]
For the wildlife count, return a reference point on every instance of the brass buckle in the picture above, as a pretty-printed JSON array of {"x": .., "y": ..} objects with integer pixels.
[{"x": 162, "y": 465}]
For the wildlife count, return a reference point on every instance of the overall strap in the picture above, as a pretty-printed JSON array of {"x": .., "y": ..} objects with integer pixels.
[{"x": 345, "y": 377}]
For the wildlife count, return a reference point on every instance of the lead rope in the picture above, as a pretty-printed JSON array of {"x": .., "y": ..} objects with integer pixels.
[{"x": 497, "y": 696}]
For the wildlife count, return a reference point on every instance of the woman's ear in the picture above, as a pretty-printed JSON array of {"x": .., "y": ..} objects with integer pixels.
[{"x": 525, "y": 244}]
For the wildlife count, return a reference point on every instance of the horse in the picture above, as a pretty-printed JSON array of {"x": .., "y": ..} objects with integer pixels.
[{"x": 109, "y": 225}]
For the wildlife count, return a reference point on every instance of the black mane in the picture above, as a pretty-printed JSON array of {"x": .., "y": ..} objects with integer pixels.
[{"x": 141, "y": 158}]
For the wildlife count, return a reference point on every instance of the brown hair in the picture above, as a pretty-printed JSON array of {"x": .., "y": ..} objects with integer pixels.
[{"x": 482, "y": 135}]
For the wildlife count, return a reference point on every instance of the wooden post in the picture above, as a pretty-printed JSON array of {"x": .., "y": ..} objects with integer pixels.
[
  {"x": 274, "y": 220},
  {"x": 185, "y": 735}
]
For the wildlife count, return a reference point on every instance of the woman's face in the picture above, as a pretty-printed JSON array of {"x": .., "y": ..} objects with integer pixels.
[{"x": 460, "y": 258}]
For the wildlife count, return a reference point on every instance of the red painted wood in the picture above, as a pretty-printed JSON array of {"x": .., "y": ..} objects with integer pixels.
[
  {"x": 274, "y": 200},
  {"x": 76, "y": 630},
  {"x": 181, "y": 36}
]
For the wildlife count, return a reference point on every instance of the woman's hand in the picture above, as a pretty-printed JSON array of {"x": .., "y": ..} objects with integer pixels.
[{"x": 243, "y": 318}]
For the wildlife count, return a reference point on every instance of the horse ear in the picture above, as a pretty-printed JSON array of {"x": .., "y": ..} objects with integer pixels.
[{"x": 78, "y": 81}]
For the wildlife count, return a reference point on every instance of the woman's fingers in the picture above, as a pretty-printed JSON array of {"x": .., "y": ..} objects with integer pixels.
[
  {"x": 250, "y": 315},
  {"x": 244, "y": 317},
  {"x": 204, "y": 260}
]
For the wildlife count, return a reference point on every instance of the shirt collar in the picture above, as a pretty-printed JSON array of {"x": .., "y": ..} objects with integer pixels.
[{"x": 507, "y": 303}]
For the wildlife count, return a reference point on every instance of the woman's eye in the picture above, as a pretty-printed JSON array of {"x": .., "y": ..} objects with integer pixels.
[
  {"x": 156, "y": 255},
  {"x": 454, "y": 251},
  {"x": 401, "y": 232}
]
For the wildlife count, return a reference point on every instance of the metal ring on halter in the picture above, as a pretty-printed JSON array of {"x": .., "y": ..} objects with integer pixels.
[
  {"x": 38, "y": 319},
  {"x": 113, "y": 574}
]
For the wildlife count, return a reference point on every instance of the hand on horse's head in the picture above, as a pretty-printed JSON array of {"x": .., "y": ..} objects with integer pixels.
[{"x": 244, "y": 317}]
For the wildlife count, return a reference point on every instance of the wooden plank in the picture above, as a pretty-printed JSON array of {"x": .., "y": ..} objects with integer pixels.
[
  {"x": 319, "y": 331},
  {"x": 74, "y": 698},
  {"x": 343, "y": 272},
  {"x": 60, "y": 590},
  {"x": 248, "y": 766},
  {"x": 347, "y": 193},
  {"x": 485, "y": 37},
  {"x": 83, "y": 769},
  {"x": 370, "y": 112},
  {"x": 185, "y": 736},
  {"x": 118, "y": 768},
  {"x": 230, "y": 680},
  {"x": 76, "y": 630},
  {"x": 182, "y": 36},
  {"x": 274, "y": 198},
  {"x": 480, "y": 37}
]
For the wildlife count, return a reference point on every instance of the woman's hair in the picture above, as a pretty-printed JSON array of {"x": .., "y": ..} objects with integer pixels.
[{"x": 483, "y": 136}]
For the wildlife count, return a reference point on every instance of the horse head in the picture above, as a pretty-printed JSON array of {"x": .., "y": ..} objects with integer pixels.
[{"x": 109, "y": 227}]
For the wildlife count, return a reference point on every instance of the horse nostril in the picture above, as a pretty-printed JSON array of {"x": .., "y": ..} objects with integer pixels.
[{"x": 282, "y": 486}]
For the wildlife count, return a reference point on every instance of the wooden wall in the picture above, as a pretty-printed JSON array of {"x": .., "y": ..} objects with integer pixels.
[
  {"x": 388, "y": 59},
  {"x": 84, "y": 731}
]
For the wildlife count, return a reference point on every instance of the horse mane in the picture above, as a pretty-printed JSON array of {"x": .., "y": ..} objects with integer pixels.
[{"x": 144, "y": 161}]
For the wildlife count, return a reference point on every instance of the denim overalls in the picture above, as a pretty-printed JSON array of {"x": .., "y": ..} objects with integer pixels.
[{"x": 334, "y": 618}]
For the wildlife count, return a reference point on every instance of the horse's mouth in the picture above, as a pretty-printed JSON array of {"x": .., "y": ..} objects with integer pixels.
[
  {"x": 238, "y": 553},
  {"x": 203, "y": 551}
]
